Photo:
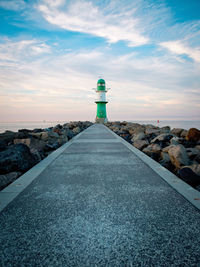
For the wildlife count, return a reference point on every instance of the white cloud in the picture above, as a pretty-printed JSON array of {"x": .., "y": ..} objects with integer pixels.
[
  {"x": 13, "y": 51},
  {"x": 12, "y": 4},
  {"x": 179, "y": 48},
  {"x": 82, "y": 16},
  {"x": 53, "y": 86}
]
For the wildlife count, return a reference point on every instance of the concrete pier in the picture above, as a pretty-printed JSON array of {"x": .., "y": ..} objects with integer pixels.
[{"x": 98, "y": 201}]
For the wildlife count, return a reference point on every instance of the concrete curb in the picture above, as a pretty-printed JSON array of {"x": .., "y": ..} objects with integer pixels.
[
  {"x": 188, "y": 192},
  {"x": 14, "y": 189}
]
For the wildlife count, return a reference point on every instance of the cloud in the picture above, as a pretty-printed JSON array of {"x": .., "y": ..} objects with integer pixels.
[
  {"x": 179, "y": 48},
  {"x": 13, "y": 51},
  {"x": 59, "y": 86},
  {"x": 82, "y": 16},
  {"x": 13, "y": 4}
]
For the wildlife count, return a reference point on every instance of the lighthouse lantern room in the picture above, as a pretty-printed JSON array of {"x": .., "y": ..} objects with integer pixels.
[{"x": 101, "y": 102}]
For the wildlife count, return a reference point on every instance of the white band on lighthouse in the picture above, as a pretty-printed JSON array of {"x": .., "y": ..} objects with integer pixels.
[{"x": 101, "y": 96}]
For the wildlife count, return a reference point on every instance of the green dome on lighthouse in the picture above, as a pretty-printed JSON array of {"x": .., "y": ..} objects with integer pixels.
[
  {"x": 101, "y": 81},
  {"x": 101, "y": 85}
]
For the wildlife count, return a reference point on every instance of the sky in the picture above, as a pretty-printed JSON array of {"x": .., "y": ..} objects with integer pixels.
[{"x": 52, "y": 53}]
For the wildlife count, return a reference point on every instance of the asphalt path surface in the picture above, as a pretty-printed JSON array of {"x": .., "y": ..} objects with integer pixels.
[{"x": 98, "y": 204}]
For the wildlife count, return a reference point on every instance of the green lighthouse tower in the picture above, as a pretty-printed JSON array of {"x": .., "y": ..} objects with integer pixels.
[{"x": 101, "y": 102}]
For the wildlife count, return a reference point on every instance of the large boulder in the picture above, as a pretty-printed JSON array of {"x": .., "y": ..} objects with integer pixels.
[
  {"x": 193, "y": 135},
  {"x": 131, "y": 130},
  {"x": 8, "y": 136},
  {"x": 139, "y": 129},
  {"x": 177, "y": 131},
  {"x": 6, "y": 179},
  {"x": 153, "y": 151},
  {"x": 26, "y": 141},
  {"x": 162, "y": 138},
  {"x": 178, "y": 156},
  {"x": 195, "y": 168},
  {"x": 184, "y": 134},
  {"x": 156, "y": 148},
  {"x": 174, "y": 141},
  {"x": 192, "y": 152},
  {"x": 62, "y": 140},
  {"x": 41, "y": 135},
  {"x": 16, "y": 158},
  {"x": 189, "y": 176},
  {"x": 165, "y": 129},
  {"x": 150, "y": 131},
  {"x": 139, "y": 136},
  {"x": 31, "y": 143},
  {"x": 165, "y": 161},
  {"x": 140, "y": 144}
]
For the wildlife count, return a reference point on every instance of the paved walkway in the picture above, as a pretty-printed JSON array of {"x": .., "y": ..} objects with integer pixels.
[{"x": 94, "y": 202}]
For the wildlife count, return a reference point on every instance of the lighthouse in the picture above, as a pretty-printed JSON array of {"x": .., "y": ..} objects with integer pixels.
[{"x": 101, "y": 102}]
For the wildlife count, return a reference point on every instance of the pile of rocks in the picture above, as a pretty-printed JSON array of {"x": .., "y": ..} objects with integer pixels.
[
  {"x": 20, "y": 151},
  {"x": 178, "y": 150}
]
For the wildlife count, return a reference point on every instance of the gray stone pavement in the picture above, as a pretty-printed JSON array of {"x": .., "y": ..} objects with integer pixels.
[{"x": 95, "y": 202}]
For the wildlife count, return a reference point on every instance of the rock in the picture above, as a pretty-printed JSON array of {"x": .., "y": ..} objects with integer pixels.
[
  {"x": 193, "y": 135},
  {"x": 165, "y": 129},
  {"x": 70, "y": 134},
  {"x": 125, "y": 135},
  {"x": 165, "y": 161},
  {"x": 62, "y": 140},
  {"x": 6, "y": 179},
  {"x": 174, "y": 141},
  {"x": 139, "y": 129},
  {"x": 7, "y": 137},
  {"x": 150, "y": 131},
  {"x": 192, "y": 152},
  {"x": 131, "y": 131},
  {"x": 51, "y": 146},
  {"x": 32, "y": 143},
  {"x": 140, "y": 144},
  {"x": 26, "y": 141},
  {"x": 25, "y": 131},
  {"x": 187, "y": 143},
  {"x": 76, "y": 130},
  {"x": 115, "y": 129},
  {"x": 178, "y": 156},
  {"x": 195, "y": 168},
  {"x": 57, "y": 130},
  {"x": 167, "y": 148},
  {"x": 16, "y": 158},
  {"x": 197, "y": 158},
  {"x": 189, "y": 176},
  {"x": 44, "y": 136},
  {"x": 139, "y": 136},
  {"x": 37, "y": 130},
  {"x": 153, "y": 151},
  {"x": 3, "y": 145},
  {"x": 184, "y": 134},
  {"x": 53, "y": 135},
  {"x": 152, "y": 148},
  {"x": 162, "y": 137},
  {"x": 41, "y": 135},
  {"x": 177, "y": 131},
  {"x": 72, "y": 124},
  {"x": 125, "y": 129}
]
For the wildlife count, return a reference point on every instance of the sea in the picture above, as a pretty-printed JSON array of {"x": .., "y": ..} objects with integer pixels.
[{"x": 15, "y": 126}]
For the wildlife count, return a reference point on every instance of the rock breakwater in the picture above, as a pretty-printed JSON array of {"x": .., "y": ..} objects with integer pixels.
[
  {"x": 178, "y": 150},
  {"x": 20, "y": 151}
]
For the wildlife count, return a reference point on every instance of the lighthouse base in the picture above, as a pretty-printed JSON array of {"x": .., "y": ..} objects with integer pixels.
[{"x": 101, "y": 120}]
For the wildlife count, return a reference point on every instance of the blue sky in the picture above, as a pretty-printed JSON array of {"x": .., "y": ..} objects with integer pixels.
[{"x": 53, "y": 51}]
